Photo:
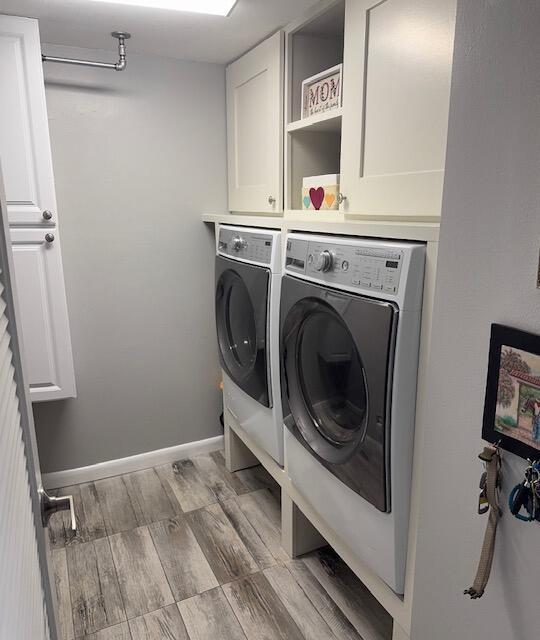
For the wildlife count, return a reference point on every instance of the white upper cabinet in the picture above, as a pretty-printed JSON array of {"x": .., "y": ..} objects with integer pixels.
[
  {"x": 254, "y": 129},
  {"x": 396, "y": 90},
  {"x": 24, "y": 133},
  {"x": 25, "y": 157},
  {"x": 39, "y": 284}
]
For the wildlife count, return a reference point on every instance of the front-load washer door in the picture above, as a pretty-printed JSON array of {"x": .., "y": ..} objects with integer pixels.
[
  {"x": 337, "y": 358},
  {"x": 241, "y": 319}
]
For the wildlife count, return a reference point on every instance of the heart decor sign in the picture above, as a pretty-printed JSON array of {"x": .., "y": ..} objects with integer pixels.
[
  {"x": 320, "y": 193},
  {"x": 316, "y": 196}
]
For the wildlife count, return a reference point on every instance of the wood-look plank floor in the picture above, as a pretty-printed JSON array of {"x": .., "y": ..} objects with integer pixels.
[
  {"x": 93, "y": 585},
  {"x": 183, "y": 560},
  {"x": 189, "y": 551},
  {"x": 164, "y": 623}
]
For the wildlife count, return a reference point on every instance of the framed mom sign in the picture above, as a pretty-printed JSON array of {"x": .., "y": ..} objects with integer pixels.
[
  {"x": 512, "y": 407},
  {"x": 322, "y": 92}
]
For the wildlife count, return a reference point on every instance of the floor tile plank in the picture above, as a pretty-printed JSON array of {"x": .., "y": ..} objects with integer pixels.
[
  {"x": 185, "y": 565},
  {"x": 232, "y": 478},
  {"x": 118, "y": 632},
  {"x": 163, "y": 624},
  {"x": 264, "y": 515},
  {"x": 223, "y": 548},
  {"x": 164, "y": 473},
  {"x": 142, "y": 580},
  {"x": 247, "y": 534},
  {"x": 95, "y": 595},
  {"x": 250, "y": 479},
  {"x": 364, "y": 612},
  {"x": 209, "y": 617},
  {"x": 92, "y": 517},
  {"x": 119, "y": 514},
  {"x": 214, "y": 479},
  {"x": 188, "y": 486},
  {"x": 259, "y": 610},
  {"x": 146, "y": 490},
  {"x": 299, "y": 606},
  {"x": 63, "y": 598},
  {"x": 323, "y": 603},
  {"x": 256, "y": 478}
]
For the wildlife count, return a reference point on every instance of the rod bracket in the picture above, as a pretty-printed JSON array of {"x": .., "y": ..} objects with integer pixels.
[{"x": 122, "y": 36}]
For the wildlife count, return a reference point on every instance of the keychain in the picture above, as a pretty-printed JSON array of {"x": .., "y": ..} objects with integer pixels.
[
  {"x": 526, "y": 495},
  {"x": 488, "y": 502}
]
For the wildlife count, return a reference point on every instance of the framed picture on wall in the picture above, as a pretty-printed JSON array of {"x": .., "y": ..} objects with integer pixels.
[{"x": 512, "y": 406}]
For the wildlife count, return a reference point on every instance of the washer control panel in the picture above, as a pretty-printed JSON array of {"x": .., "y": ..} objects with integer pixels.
[
  {"x": 370, "y": 267},
  {"x": 247, "y": 245}
]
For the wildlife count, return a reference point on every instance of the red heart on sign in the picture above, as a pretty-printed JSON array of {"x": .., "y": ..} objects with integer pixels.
[{"x": 317, "y": 197}]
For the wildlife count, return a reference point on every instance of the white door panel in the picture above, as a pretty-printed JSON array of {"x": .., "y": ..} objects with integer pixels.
[
  {"x": 254, "y": 128},
  {"x": 44, "y": 320},
  {"x": 27, "y": 609},
  {"x": 397, "y": 68},
  {"x": 24, "y": 130}
]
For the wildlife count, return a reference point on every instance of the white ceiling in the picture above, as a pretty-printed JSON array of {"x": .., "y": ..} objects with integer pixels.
[{"x": 174, "y": 34}]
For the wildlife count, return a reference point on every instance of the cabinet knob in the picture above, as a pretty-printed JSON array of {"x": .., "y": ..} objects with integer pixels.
[
  {"x": 271, "y": 201},
  {"x": 341, "y": 198},
  {"x": 47, "y": 215},
  {"x": 49, "y": 237}
]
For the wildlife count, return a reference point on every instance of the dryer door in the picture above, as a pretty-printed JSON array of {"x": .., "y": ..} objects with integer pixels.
[
  {"x": 241, "y": 315},
  {"x": 337, "y": 352}
]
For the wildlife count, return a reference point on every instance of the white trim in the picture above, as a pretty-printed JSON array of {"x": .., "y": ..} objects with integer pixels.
[
  {"x": 68, "y": 477},
  {"x": 331, "y": 222}
]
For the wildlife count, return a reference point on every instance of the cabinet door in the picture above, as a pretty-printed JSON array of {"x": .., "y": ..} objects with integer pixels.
[
  {"x": 255, "y": 128},
  {"x": 396, "y": 90},
  {"x": 40, "y": 290},
  {"x": 24, "y": 132}
]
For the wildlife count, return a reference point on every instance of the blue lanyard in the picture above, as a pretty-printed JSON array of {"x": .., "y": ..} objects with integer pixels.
[{"x": 526, "y": 495}]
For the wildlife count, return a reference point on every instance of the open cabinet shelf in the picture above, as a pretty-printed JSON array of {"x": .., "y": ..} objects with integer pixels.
[
  {"x": 327, "y": 122},
  {"x": 313, "y": 143}
]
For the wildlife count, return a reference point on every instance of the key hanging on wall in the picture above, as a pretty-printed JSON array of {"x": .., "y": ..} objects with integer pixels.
[{"x": 526, "y": 495}]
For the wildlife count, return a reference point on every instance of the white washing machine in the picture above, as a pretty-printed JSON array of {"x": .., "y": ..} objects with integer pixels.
[
  {"x": 350, "y": 326},
  {"x": 248, "y": 284}
]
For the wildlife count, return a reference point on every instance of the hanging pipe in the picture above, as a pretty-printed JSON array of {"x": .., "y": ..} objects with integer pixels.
[{"x": 122, "y": 36}]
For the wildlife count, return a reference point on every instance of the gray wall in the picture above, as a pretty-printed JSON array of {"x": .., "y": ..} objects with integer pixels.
[
  {"x": 487, "y": 272},
  {"x": 138, "y": 156}
]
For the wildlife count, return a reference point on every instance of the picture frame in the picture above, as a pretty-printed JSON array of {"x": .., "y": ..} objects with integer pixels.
[
  {"x": 322, "y": 92},
  {"x": 512, "y": 402}
]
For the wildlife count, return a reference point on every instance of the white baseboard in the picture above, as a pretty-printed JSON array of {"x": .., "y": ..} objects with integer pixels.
[{"x": 58, "y": 479}]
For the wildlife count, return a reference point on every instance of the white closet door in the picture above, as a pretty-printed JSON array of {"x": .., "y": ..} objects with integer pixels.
[
  {"x": 44, "y": 318},
  {"x": 26, "y": 601},
  {"x": 21, "y": 593},
  {"x": 396, "y": 92},
  {"x": 24, "y": 131},
  {"x": 255, "y": 129}
]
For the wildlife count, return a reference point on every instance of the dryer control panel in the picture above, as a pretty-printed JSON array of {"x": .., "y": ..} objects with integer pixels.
[
  {"x": 245, "y": 244},
  {"x": 372, "y": 267}
]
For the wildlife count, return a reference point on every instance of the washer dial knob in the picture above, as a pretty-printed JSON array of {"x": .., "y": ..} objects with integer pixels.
[
  {"x": 324, "y": 261},
  {"x": 238, "y": 243}
]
